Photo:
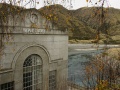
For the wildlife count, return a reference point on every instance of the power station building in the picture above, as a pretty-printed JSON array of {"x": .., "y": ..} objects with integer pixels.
[{"x": 32, "y": 58}]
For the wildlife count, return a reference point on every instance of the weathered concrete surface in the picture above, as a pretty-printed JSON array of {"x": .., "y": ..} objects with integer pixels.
[{"x": 30, "y": 37}]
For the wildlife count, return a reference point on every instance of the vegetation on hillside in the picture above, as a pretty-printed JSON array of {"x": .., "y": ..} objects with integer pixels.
[
  {"x": 111, "y": 26},
  {"x": 83, "y": 23},
  {"x": 64, "y": 19}
]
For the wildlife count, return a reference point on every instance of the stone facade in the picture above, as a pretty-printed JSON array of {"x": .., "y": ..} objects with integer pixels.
[{"x": 29, "y": 37}]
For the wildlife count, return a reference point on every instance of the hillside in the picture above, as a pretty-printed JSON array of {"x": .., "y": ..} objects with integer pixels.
[
  {"x": 87, "y": 15},
  {"x": 65, "y": 20},
  {"x": 83, "y": 23},
  {"x": 111, "y": 25}
]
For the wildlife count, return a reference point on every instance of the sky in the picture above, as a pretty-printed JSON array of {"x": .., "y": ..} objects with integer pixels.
[
  {"x": 69, "y": 4},
  {"x": 82, "y": 3}
]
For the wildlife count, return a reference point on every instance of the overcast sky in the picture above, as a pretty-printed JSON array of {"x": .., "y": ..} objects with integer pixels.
[
  {"x": 75, "y": 3},
  {"x": 82, "y": 3}
]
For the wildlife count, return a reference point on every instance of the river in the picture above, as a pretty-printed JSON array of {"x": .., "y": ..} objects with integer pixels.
[{"x": 79, "y": 56}]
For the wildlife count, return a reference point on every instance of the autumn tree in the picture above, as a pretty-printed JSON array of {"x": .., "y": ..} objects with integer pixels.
[{"x": 102, "y": 73}]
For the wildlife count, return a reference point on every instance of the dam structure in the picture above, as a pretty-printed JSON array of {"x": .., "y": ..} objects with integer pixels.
[{"x": 33, "y": 58}]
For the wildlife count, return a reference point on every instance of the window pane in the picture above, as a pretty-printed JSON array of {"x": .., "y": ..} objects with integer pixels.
[
  {"x": 52, "y": 80},
  {"x": 32, "y": 73},
  {"x": 7, "y": 86}
]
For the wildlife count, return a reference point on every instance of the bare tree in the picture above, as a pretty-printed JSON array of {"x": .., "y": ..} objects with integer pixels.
[{"x": 102, "y": 73}]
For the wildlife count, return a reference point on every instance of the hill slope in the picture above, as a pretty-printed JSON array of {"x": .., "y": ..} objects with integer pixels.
[
  {"x": 64, "y": 19},
  {"x": 112, "y": 20},
  {"x": 87, "y": 15},
  {"x": 82, "y": 23}
]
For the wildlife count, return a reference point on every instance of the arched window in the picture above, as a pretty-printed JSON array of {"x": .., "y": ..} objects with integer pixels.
[{"x": 32, "y": 73}]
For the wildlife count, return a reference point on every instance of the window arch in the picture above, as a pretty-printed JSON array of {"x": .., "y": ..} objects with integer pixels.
[{"x": 32, "y": 73}]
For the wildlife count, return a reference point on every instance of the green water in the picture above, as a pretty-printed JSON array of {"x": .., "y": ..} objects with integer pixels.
[{"x": 77, "y": 60}]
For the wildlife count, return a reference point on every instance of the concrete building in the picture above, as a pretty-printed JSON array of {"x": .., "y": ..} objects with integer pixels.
[{"x": 33, "y": 58}]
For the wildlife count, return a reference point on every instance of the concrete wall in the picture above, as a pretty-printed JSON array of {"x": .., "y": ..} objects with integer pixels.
[{"x": 51, "y": 45}]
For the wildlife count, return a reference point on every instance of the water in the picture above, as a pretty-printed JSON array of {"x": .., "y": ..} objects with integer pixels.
[{"x": 77, "y": 60}]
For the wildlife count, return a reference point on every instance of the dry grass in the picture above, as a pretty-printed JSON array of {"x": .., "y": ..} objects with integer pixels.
[
  {"x": 114, "y": 52},
  {"x": 73, "y": 41}
]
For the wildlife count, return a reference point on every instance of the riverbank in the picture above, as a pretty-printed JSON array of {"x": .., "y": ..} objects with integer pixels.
[
  {"x": 91, "y": 46},
  {"x": 113, "y": 40},
  {"x": 75, "y": 48}
]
